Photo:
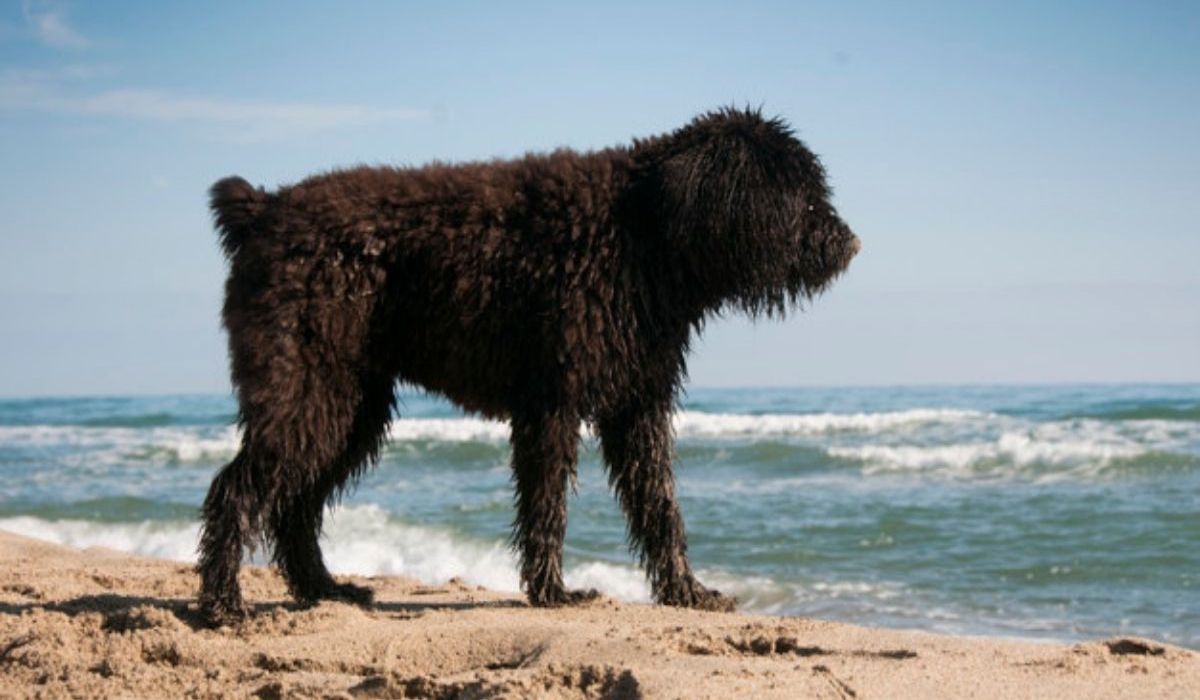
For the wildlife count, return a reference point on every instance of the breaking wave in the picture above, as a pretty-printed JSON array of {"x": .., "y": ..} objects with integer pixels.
[
  {"x": 365, "y": 540},
  {"x": 215, "y": 442},
  {"x": 955, "y": 443},
  {"x": 1049, "y": 451}
]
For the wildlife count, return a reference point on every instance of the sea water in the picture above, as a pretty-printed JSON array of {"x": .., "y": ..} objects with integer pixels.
[{"x": 1057, "y": 512}]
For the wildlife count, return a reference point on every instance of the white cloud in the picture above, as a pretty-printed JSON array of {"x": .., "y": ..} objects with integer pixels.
[
  {"x": 48, "y": 20},
  {"x": 41, "y": 91}
]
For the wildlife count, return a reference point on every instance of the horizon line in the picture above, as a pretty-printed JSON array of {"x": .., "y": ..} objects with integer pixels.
[{"x": 703, "y": 387}]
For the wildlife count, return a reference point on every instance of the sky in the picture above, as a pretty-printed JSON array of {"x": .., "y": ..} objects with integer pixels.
[{"x": 1024, "y": 176}]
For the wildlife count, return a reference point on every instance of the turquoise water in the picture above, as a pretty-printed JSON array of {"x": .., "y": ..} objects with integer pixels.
[{"x": 1061, "y": 512}]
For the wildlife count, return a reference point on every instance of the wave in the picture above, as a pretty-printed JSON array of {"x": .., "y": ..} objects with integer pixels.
[
  {"x": 1049, "y": 451},
  {"x": 360, "y": 540},
  {"x": 950, "y": 443},
  {"x": 166, "y": 443},
  {"x": 448, "y": 430},
  {"x": 696, "y": 424},
  {"x": 108, "y": 445},
  {"x": 365, "y": 540},
  {"x": 160, "y": 539}
]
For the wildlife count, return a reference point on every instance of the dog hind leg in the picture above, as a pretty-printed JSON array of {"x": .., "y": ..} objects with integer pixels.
[
  {"x": 544, "y": 457},
  {"x": 230, "y": 521},
  {"x": 309, "y": 419},
  {"x": 296, "y": 525}
]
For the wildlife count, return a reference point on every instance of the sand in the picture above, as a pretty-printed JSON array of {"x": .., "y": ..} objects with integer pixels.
[{"x": 100, "y": 623}]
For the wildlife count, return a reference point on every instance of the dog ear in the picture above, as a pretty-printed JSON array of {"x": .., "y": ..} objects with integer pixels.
[{"x": 713, "y": 194}]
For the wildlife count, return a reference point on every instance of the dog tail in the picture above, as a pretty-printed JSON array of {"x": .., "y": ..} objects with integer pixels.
[{"x": 236, "y": 206}]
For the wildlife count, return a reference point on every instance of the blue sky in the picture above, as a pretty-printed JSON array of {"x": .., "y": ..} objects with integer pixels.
[{"x": 1025, "y": 176}]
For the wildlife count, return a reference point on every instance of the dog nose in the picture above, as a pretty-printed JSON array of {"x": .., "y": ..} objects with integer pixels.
[{"x": 855, "y": 246}]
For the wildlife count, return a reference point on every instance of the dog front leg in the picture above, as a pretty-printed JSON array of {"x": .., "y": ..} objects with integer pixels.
[
  {"x": 637, "y": 448},
  {"x": 544, "y": 456}
]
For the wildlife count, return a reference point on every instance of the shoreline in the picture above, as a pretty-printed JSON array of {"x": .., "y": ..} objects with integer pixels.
[{"x": 98, "y": 622}]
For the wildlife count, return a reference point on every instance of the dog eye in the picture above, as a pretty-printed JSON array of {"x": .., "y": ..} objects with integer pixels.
[{"x": 810, "y": 207}]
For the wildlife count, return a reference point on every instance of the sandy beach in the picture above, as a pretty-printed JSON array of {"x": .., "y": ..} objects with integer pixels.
[{"x": 101, "y": 623}]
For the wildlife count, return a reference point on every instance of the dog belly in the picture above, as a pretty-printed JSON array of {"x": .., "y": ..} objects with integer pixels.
[{"x": 473, "y": 372}]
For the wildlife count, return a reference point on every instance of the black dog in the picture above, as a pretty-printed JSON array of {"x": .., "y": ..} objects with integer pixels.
[{"x": 547, "y": 290}]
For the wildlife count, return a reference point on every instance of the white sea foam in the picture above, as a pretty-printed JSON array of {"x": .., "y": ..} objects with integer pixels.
[
  {"x": 364, "y": 540},
  {"x": 700, "y": 424},
  {"x": 620, "y": 582},
  {"x": 1067, "y": 448},
  {"x": 358, "y": 540},
  {"x": 163, "y": 540},
  {"x": 696, "y": 424},
  {"x": 109, "y": 445},
  {"x": 448, "y": 430},
  {"x": 937, "y": 443}
]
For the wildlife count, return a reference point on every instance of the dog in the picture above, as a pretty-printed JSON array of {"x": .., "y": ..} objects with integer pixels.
[{"x": 549, "y": 290}]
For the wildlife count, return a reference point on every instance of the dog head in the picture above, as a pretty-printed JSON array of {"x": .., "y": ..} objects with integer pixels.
[{"x": 743, "y": 211}]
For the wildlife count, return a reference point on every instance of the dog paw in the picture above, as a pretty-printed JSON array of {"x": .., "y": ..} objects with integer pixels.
[
  {"x": 561, "y": 597},
  {"x": 351, "y": 593},
  {"x": 693, "y": 594},
  {"x": 342, "y": 592},
  {"x": 228, "y": 613}
]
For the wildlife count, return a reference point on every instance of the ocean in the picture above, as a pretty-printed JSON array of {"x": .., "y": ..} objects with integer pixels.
[{"x": 1038, "y": 512}]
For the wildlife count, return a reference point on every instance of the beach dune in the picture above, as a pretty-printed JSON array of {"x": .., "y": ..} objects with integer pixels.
[{"x": 102, "y": 623}]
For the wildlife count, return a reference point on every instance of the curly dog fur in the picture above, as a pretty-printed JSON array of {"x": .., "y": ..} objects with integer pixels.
[{"x": 548, "y": 290}]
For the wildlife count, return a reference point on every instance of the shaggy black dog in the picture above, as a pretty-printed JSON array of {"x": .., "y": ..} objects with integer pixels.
[{"x": 548, "y": 290}]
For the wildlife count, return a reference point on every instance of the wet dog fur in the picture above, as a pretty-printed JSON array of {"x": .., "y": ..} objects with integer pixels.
[{"x": 548, "y": 290}]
